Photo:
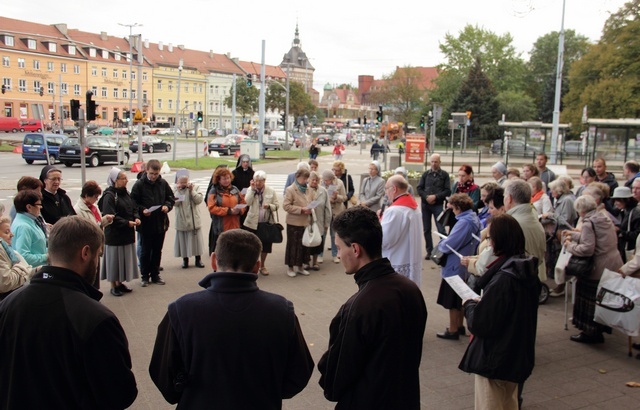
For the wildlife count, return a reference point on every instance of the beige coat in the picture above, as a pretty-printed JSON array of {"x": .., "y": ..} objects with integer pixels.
[
  {"x": 323, "y": 211},
  {"x": 534, "y": 237},
  {"x": 82, "y": 210},
  {"x": 187, "y": 211},
  {"x": 293, "y": 202},
  {"x": 12, "y": 277},
  {"x": 337, "y": 203},
  {"x": 604, "y": 248},
  {"x": 253, "y": 202}
]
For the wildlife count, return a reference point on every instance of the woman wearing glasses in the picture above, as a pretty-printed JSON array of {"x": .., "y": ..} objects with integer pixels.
[
  {"x": 55, "y": 201},
  {"x": 30, "y": 240}
]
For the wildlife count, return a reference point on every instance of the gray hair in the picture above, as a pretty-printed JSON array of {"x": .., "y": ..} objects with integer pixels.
[
  {"x": 314, "y": 174},
  {"x": 594, "y": 192},
  {"x": 567, "y": 180},
  {"x": 519, "y": 191},
  {"x": 328, "y": 175},
  {"x": 302, "y": 165},
  {"x": 559, "y": 187},
  {"x": 259, "y": 175},
  {"x": 585, "y": 204},
  {"x": 535, "y": 182}
]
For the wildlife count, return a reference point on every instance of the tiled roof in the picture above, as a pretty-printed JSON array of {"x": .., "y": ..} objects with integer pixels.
[
  {"x": 42, "y": 33},
  {"x": 202, "y": 61},
  {"x": 269, "y": 70},
  {"x": 101, "y": 41}
]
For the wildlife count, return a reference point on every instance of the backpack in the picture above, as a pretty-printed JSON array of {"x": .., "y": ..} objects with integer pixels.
[{"x": 101, "y": 201}]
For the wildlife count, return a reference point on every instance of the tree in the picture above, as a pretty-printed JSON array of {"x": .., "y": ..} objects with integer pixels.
[
  {"x": 516, "y": 106},
  {"x": 404, "y": 93},
  {"x": 542, "y": 68},
  {"x": 246, "y": 99},
  {"x": 606, "y": 78},
  {"x": 300, "y": 103},
  {"x": 478, "y": 95}
]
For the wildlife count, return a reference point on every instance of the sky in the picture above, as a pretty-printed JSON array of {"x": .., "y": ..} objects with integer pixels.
[{"x": 342, "y": 39}]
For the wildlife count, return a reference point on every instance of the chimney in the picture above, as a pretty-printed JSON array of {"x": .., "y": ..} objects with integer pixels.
[
  {"x": 181, "y": 46},
  {"x": 104, "y": 36},
  {"x": 170, "y": 48},
  {"x": 62, "y": 27},
  {"x": 146, "y": 43},
  {"x": 228, "y": 55},
  {"x": 160, "y": 46},
  {"x": 211, "y": 54}
]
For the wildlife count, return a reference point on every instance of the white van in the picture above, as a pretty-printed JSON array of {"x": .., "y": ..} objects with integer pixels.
[{"x": 280, "y": 136}]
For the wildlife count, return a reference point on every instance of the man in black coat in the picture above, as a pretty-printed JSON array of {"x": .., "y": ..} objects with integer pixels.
[
  {"x": 375, "y": 340},
  {"x": 434, "y": 187},
  {"x": 231, "y": 346},
  {"x": 62, "y": 349},
  {"x": 151, "y": 191}
]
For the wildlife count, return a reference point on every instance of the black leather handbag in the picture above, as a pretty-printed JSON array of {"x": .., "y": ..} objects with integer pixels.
[
  {"x": 270, "y": 231},
  {"x": 581, "y": 266},
  {"x": 438, "y": 257}
]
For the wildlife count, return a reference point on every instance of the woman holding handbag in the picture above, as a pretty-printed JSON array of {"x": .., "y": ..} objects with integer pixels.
[
  {"x": 323, "y": 215},
  {"x": 597, "y": 239},
  {"x": 263, "y": 203},
  {"x": 296, "y": 199}
]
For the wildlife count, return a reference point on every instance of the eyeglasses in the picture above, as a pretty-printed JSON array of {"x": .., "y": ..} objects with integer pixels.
[{"x": 55, "y": 179}]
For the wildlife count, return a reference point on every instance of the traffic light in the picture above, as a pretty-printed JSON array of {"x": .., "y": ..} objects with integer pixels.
[
  {"x": 283, "y": 119},
  {"x": 199, "y": 116},
  {"x": 75, "y": 108},
  {"x": 430, "y": 121},
  {"x": 41, "y": 91},
  {"x": 249, "y": 80},
  {"x": 91, "y": 107},
  {"x": 53, "y": 116},
  {"x": 422, "y": 121},
  {"x": 4, "y": 88},
  {"x": 379, "y": 114},
  {"x": 364, "y": 119}
]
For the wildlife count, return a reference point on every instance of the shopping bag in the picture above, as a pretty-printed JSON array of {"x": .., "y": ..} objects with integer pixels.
[
  {"x": 617, "y": 302},
  {"x": 561, "y": 264},
  {"x": 311, "y": 236}
]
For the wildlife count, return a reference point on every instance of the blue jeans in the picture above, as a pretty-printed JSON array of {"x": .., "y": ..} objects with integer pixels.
[
  {"x": 428, "y": 212},
  {"x": 334, "y": 248}
]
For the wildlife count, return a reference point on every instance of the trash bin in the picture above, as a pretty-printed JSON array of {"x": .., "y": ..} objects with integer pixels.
[{"x": 251, "y": 148}]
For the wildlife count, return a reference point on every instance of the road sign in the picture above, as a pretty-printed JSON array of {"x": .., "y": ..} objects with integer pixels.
[
  {"x": 138, "y": 117},
  {"x": 468, "y": 114}
]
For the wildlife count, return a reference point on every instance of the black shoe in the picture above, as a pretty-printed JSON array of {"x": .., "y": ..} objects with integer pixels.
[
  {"x": 123, "y": 288},
  {"x": 448, "y": 335},
  {"x": 587, "y": 339},
  {"x": 462, "y": 331},
  {"x": 185, "y": 263},
  {"x": 199, "y": 263},
  {"x": 116, "y": 292},
  {"x": 636, "y": 346},
  {"x": 426, "y": 258},
  {"x": 158, "y": 281}
]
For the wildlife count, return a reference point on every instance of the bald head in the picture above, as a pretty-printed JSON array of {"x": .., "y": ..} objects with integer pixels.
[
  {"x": 435, "y": 162},
  {"x": 396, "y": 185}
]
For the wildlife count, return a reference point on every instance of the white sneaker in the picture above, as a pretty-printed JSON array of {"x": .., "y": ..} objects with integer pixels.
[
  {"x": 303, "y": 272},
  {"x": 291, "y": 273},
  {"x": 319, "y": 259},
  {"x": 336, "y": 260}
]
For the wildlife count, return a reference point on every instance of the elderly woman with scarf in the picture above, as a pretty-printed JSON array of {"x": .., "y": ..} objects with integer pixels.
[
  {"x": 55, "y": 201},
  {"x": 14, "y": 270},
  {"x": 119, "y": 263},
  {"x": 296, "y": 198},
  {"x": 223, "y": 200},
  {"x": 188, "y": 241},
  {"x": 262, "y": 202}
]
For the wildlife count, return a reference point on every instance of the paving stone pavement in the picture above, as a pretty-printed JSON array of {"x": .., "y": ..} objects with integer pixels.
[{"x": 567, "y": 375}]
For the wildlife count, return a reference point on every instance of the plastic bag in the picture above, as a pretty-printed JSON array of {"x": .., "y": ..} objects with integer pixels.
[{"x": 617, "y": 302}]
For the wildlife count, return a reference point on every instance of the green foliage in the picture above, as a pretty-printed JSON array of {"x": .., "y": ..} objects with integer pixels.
[
  {"x": 478, "y": 95},
  {"x": 404, "y": 93},
  {"x": 246, "y": 98},
  {"x": 299, "y": 101},
  {"x": 516, "y": 106},
  {"x": 606, "y": 78}
]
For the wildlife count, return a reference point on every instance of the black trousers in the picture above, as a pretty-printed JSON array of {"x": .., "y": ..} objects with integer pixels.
[{"x": 151, "y": 254}]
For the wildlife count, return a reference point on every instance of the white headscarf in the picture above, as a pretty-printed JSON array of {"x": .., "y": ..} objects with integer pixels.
[{"x": 113, "y": 175}]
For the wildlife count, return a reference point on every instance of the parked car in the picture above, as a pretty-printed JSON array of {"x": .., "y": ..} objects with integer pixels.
[
  {"x": 9, "y": 124},
  {"x": 31, "y": 125},
  {"x": 97, "y": 150},
  {"x": 272, "y": 143},
  {"x": 103, "y": 131},
  {"x": 324, "y": 139},
  {"x": 69, "y": 130},
  {"x": 224, "y": 145},
  {"x": 150, "y": 144},
  {"x": 92, "y": 127},
  {"x": 338, "y": 136},
  {"x": 33, "y": 147},
  {"x": 515, "y": 148},
  {"x": 573, "y": 148},
  {"x": 170, "y": 131}
]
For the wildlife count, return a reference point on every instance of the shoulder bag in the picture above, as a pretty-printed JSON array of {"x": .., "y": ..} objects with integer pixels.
[
  {"x": 270, "y": 231},
  {"x": 311, "y": 236},
  {"x": 581, "y": 266}
]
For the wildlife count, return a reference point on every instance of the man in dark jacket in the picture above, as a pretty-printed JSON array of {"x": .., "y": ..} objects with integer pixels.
[
  {"x": 55, "y": 201},
  {"x": 155, "y": 199},
  {"x": 231, "y": 346},
  {"x": 58, "y": 339},
  {"x": 433, "y": 188},
  {"x": 375, "y": 340}
]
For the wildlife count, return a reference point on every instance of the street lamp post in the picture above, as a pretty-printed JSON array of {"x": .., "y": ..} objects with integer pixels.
[
  {"x": 131, "y": 26},
  {"x": 175, "y": 129}
]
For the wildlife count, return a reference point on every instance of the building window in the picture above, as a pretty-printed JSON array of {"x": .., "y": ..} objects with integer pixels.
[
  {"x": 144, "y": 97},
  {"x": 21, "y": 63},
  {"x": 115, "y": 93},
  {"x": 211, "y": 89},
  {"x": 104, "y": 113},
  {"x": 159, "y": 84},
  {"x": 8, "y": 40},
  {"x": 105, "y": 54},
  {"x": 50, "y": 87},
  {"x": 6, "y": 61},
  {"x": 76, "y": 69},
  {"x": 216, "y": 93},
  {"x": 133, "y": 94},
  {"x": 195, "y": 88},
  {"x": 53, "y": 47},
  {"x": 200, "y": 89},
  {"x": 125, "y": 92},
  {"x": 65, "y": 88},
  {"x": 186, "y": 87},
  {"x": 144, "y": 76},
  {"x": 94, "y": 71},
  {"x": 116, "y": 56},
  {"x": 22, "y": 85},
  {"x": 104, "y": 71},
  {"x": 92, "y": 52},
  {"x": 115, "y": 73},
  {"x": 72, "y": 50},
  {"x": 50, "y": 66},
  {"x": 124, "y": 74},
  {"x": 36, "y": 64},
  {"x": 76, "y": 89},
  {"x": 94, "y": 90},
  {"x": 63, "y": 67},
  {"x": 103, "y": 92},
  {"x": 36, "y": 86},
  {"x": 159, "y": 103},
  {"x": 7, "y": 83},
  {"x": 170, "y": 85},
  {"x": 31, "y": 43},
  {"x": 133, "y": 75},
  {"x": 170, "y": 104}
]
